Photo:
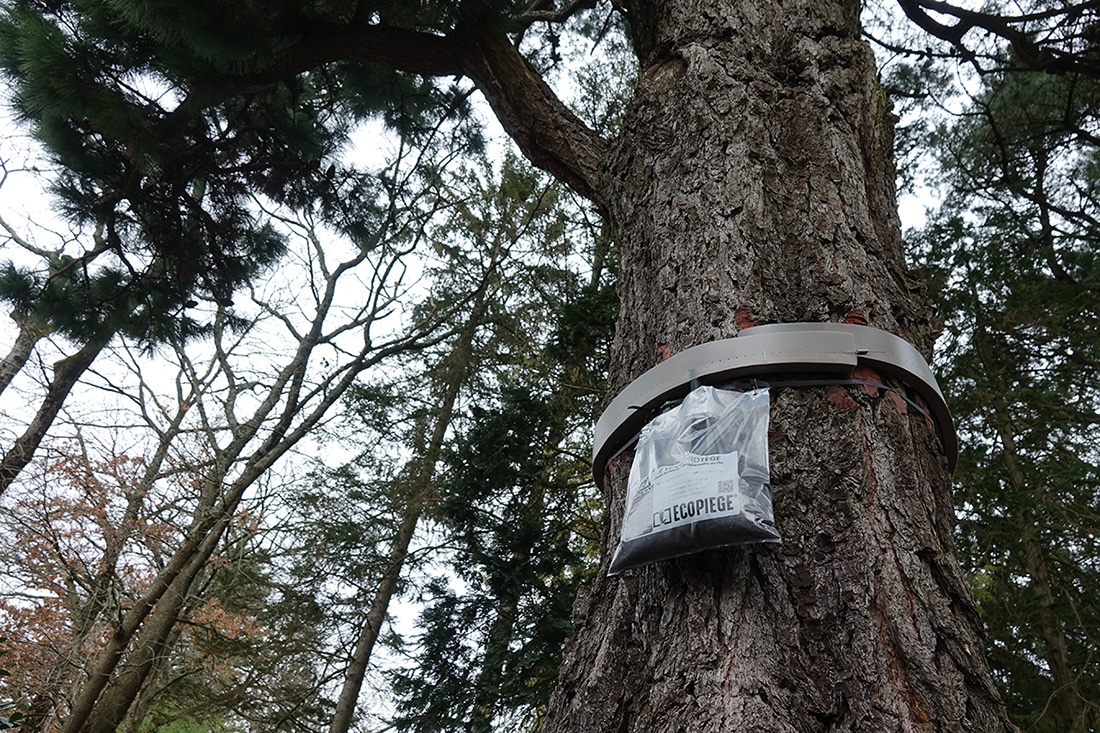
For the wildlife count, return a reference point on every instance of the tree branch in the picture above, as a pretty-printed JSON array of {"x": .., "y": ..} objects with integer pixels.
[
  {"x": 547, "y": 132},
  {"x": 1038, "y": 57},
  {"x": 416, "y": 52},
  {"x": 537, "y": 12}
]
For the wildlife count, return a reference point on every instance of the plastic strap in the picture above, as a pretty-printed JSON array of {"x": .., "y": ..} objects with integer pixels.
[{"x": 765, "y": 350}]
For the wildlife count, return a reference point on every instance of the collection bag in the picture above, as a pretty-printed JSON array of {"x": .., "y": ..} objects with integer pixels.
[{"x": 700, "y": 479}]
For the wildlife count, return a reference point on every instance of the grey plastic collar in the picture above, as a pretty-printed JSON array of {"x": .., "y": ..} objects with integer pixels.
[{"x": 764, "y": 350}]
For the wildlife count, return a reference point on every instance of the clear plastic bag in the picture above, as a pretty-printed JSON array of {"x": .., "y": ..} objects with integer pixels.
[{"x": 700, "y": 479}]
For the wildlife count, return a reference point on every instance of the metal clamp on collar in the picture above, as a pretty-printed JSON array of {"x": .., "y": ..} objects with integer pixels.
[{"x": 770, "y": 349}]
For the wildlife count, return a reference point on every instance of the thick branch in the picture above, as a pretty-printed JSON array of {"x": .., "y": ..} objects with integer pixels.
[
  {"x": 1035, "y": 56},
  {"x": 416, "y": 52},
  {"x": 66, "y": 373},
  {"x": 537, "y": 12},
  {"x": 29, "y": 335},
  {"x": 548, "y": 133}
]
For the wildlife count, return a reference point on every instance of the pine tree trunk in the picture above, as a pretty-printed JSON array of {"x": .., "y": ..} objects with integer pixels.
[
  {"x": 29, "y": 335},
  {"x": 753, "y": 183},
  {"x": 66, "y": 373}
]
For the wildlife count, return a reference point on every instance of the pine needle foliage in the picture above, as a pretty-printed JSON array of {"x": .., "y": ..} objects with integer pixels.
[
  {"x": 162, "y": 148},
  {"x": 489, "y": 650},
  {"x": 1015, "y": 263}
]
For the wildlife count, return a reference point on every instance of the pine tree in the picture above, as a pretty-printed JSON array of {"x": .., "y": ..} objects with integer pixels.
[
  {"x": 1017, "y": 269},
  {"x": 514, "y": 507}
]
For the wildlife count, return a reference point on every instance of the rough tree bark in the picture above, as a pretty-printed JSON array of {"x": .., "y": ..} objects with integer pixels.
[{"x": 753, "y": 183}]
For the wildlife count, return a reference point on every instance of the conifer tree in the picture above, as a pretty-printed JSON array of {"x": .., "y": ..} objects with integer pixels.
[
  {"x": 514, "y": 507},
  {"x": 503, "y": 250},
  {"x": 1016, "y": 261}
]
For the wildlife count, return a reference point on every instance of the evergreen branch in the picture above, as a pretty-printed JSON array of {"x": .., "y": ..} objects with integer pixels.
[
  {"x": 415, "y": 52},
  {"x": 550, "y": 135},
  {"x": 1036, "y": 57},
  {"x": 547, "y": 131},
  {"x": 536, "y": 12}
]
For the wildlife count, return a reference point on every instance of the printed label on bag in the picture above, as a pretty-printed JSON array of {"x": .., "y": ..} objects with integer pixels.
[{"x": 699, "y": 488}]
